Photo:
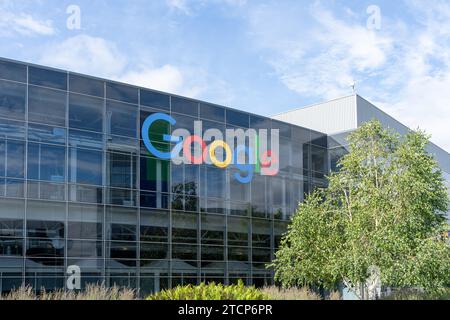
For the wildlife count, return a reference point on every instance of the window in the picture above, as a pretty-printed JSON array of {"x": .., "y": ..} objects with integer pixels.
[
  {"x": 48, "y": 78},
  {"x": 154, "y": 226},
  {"x": 213, "y": 182},
  {"x": 121, "y": 92},
  {"x": 155, "y": 174},
  {"x": 319, "y": 139},
  {"x": 47, "y": 106},
  {"x": 12, "y": 129},
  {"x": 85, "y": 113},
  {"x": 155, "y": 99},
  {"x": 284, "y": 129},
  {"x": 86, "y": 166},
  {"x": 121, "y": 224},
  {"x": 238, "y": 231},
  {"x": 213, "y": 229},
  {"x": 11, "y": 218},
  {"x": 12, "y": 162},
  {"x": 13, "y": 71},
  {"x": 184, "y": 227},
  {"x": 122, "y": 170},
  {"x": 212, "y": 112},
  {"x": 121, "y": 119},
  {"x": 46, "y": 134},
  {"x": 237, "y": 118},
  {"x": 86, "y": 139},
  {"x": 261, "y": 233},
  {"x": 84, "y": 85},
  {"x": 185, "y": 106},
  {"x": 46, "y": 163},
  {"x": 12, "y": 100},
  {"x": 318, "y": 159}
]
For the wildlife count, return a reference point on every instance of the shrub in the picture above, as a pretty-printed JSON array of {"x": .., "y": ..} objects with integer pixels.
[{"x": 211, "y": 291}]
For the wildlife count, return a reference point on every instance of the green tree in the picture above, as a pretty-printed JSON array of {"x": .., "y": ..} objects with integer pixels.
[{"x": 381, "y": 219}]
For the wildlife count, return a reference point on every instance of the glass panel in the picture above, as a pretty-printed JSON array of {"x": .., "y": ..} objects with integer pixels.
[
  {"x": 318, "y": 159},
  {"x": 86, "y": 166},
  {"x": 10, "y": 247},
  {"x": 237, "y": 118},
  {"x": 84, "y": 249},
  {"x": 213, "y": 182},
  {"x": 123, "y": 254},
  {"x": 85, "y": 222},
  {"x": 46, "y": 191},
  {"x": 259, "y": 199},
  {"x": 238, "y": 191},
  {"x": 285, "y": 152},
  {"x": 121, "y": 170},
  {"x": 213, "y": 253},
  {"x": 212, "y": 112},
  {"x": 47, "y": 106},
  {"x": 184, "y": 252},
  {"x": 121, "y": 224},
  {"x": 15, "y": 159},
  {"x": 319, "y": 139},
  {"x": 12, "y": 129},
  {"x": 213, "y": 229},
  {"x": 154, "y": 226},
  {"x": 11, "y": 218},
  {"x": 184, "y": 227},
  {"x": 86, "y": 113},
  {"x": 85, "y": 85},
  {"x": 78, "y": 138},
  {"x": 13, "y": 71},
  {"x": 154, "y": 251},
  {"x": 185, "y": 106},
  {"x": 46, "y": 134},
  {"x": 284, "y": 128},
  {"x": 238, "y": 231},
  {"x": 261, "y": 233},
  {"x": 238, "y": 254},
  {"x": 121, "y": 92},
  {"x": 154, "y": 200},
  {"x": 121, "y": 197},
  {"x": 15, "y": 188},
  {"x": 12, "y": 100},
  {"x": 155, "y": 99},
  {"x": 86, "y": 194},
  {"x": 47, "y": 78},
  {"x": 154, "y": 174},
  {"x": 46, "y": 162},
  {"x": 121, "y": 119},
  {"x": 45, "y": 219}
]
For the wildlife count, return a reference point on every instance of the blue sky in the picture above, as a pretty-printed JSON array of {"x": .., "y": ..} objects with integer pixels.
[{"x": 260, "y": 56}]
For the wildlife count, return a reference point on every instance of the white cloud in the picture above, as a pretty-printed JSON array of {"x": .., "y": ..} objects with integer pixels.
[
  {"x": 86, "y": 54},
  {"x": 405, "y": 66},
  {"x": 179, "y": 5},
  {"x": 12, "y": 23},
  {"x": 99, "y": 57}
]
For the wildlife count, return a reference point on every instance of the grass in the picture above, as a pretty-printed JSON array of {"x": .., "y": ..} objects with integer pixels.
[
  {"x": 92, "y": 292},
  {"x": 276, "y": 293}
]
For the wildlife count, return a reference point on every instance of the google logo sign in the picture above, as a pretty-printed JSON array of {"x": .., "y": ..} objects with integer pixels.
[{"x": 247, "y": 150}]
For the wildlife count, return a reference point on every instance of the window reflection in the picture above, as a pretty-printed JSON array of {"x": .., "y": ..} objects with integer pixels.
[
  {"x": 47, "y": 106},
  {"x": 85, "y": 113},
  {"x": 12, "y": 100}
]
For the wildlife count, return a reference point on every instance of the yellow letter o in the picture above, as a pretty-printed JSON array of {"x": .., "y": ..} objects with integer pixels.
[{"x": 212, "y": 153}]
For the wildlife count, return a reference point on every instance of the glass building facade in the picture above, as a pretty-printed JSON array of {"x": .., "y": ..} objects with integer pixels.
[{"x": 78, "y": 187}]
